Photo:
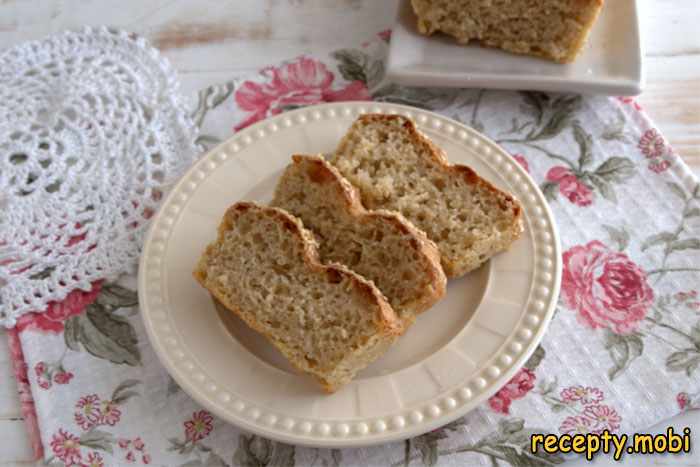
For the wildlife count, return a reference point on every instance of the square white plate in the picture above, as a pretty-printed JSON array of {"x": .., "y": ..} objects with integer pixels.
[{"x": 611, "y": 62}]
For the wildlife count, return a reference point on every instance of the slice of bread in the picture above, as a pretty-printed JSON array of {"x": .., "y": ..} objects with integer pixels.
[
  {"x": 552, "y": 29},
  {"x": 395, "y": 167},
  {"x": 381, "y": 246},
  {"x": 327, "y": 320}
]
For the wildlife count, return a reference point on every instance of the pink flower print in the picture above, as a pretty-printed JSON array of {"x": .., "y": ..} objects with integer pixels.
[
  {"x": 62, "y": 377},
  {"x": 124, "y": 443},
  {"x": 19, "y": 366},
  {"x": 683, "y": 400},
  {"x": 130, "y": 457},
  {"x": 87, "y": 412},
  {"x": 605, "y": 287},
  {"x": 694, "y": 306},
  {"x": 66, "y": 447},
  {"x": 500, "y": 404},
  {"x": 55, "y": 315},
  {"x": 94, "y": 460},
  {"x": 681, "y": 296},
  {"x": 605, "y": 416},
  {"x": 570, "y": 186},
  {"x": 109, "y": 413},
  {"x": 587, "y": 395},
  {"x": 199, "y": 427},
  {"x": 659, "y": 166},
  {"x": 522, "y": 161},
  {"x": 518, "y": 386},
  {"x": 385, "y": 35},
  {"x": 631, "y": 101},
  {"x": 146, "y": 459},
  {"x": 43, "y": 375},
  {"x": 138, "y": 444},
  {"x": 40, "y": 368},
  {"x": 652, "y": 144},
  {"x": 304, "y": 81},
  {"x": 577, "y": 424}
]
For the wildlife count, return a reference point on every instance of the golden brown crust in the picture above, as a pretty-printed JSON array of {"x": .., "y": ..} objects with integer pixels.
[
  {"x": 591, "y": 10},
  {"x": 387, "y": 323},
  {"x": 439, "y": 157},
  {"x": 386, "y": 320},
  {"x": 324, "y": 172},
  {"x": 586, "y": 16}
]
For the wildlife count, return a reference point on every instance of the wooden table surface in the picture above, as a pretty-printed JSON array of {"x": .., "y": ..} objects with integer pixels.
[{"x": 208, "y": 40}]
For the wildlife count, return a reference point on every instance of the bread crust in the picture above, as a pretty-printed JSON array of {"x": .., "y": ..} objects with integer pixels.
[
  {"x": 438, "y": 158},
  {"x": 349, "y": 197},
  {"x": 387, "y": 323},
  {"x": 567, "y": 48}
]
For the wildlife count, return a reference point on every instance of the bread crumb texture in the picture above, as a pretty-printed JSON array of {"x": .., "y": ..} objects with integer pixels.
[
  {"x": 552, "y": 29},
  {"x": 381, "y": 246},
  {"x": 326, "y": 320},
  {"x": 396, "y": 168}
]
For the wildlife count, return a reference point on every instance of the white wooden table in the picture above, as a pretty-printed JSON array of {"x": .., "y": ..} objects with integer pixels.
[{"x": 208, "y": 40}]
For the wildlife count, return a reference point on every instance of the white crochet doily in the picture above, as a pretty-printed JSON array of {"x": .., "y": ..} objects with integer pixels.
[{"x": 92, "y": 133}]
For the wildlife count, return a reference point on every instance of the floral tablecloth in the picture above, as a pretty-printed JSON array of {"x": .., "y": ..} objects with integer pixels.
[{"x": 622, "y": 352}]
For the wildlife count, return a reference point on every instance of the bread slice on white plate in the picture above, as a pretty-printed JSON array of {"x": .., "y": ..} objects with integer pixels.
[
  {"x": 552, "y": 29},
  {"x": 395, "y": 167},
  {"x": 326, "y": 320},
  {"x": 381, "y": 246}
]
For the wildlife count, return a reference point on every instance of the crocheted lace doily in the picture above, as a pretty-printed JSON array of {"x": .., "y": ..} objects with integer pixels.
[{"x": 92, "y": 133}]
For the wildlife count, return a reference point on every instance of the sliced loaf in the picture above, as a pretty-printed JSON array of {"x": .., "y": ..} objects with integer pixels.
[
  {"x": 395, "y": 167},
  {"x": 381, "y": 246},
  {"x": 552, "y": 29},
  {"x": 327, "y": 320}
]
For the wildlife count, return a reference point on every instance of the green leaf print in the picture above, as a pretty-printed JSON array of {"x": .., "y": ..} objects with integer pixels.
[
  {"x": 115, "y": 296},
  {"x": 677, "y": 190},
  {"x": 337, "y": 456},
  {"x": 687, "y": 244},
  {"x": 550, "y": 190},
  {"x": 658, "y": 239},
  {"x": 173, "y": 387},
  {"x": 695, "y": 335},
  {"x": 96, "y": 439},
  {"x": 691, "y": 212},
  {"x": 615, "y": 130},
  {"x": 103, "y": 334},
  {"x": 355, "y": 65},
  {"x": 510, "y": 443},
  {"x": 562, "y": 111},
  {"x": 123, "y": 392},
  {"x": 534, "y": 105},
  {"x": 210, "y": 98},
  {"x": 604, "y": 187},
  {"x": 585, "y": 143},
  {"x": 619, "y": 236},
  {"x": 424, "y": 98},
  {"x": 352, "y": 64},
  {"x": 71, "y": 333},
  {"x": 623, "y": 350},
  {"x": 684, "y": 360},
  {"x": 616, "y": 169},
  {"x": 535, "y": 359},
  {"x": 255, "y": 451}
]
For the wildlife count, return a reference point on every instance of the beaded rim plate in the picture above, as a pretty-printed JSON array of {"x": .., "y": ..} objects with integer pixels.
[
  {"x": 451, "y": 360},
  {"x": 611, "y": 63}
]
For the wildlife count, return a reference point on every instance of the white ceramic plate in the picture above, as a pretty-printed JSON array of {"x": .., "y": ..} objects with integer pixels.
[
  {"x": 454, "y": 357},
  {"x": 610, "y": 64}
]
